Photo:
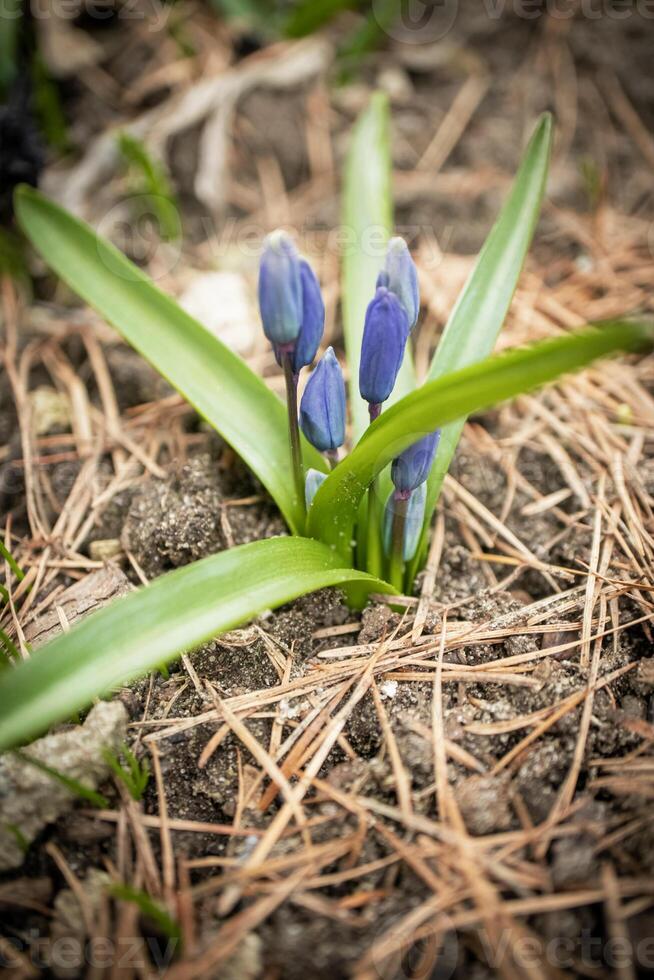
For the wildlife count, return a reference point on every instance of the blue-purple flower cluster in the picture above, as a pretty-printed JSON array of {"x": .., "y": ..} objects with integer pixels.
[{"x": 293, "y": 315}]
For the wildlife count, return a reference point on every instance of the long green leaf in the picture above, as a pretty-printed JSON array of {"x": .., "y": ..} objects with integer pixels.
[
  {"x": 334, "y": 510},
  {"x": 480, "y": 311},
  {"x": 368, "y": 220},
  {"x": 176, "y": 613},
  {"x": 214, "y": 380}
]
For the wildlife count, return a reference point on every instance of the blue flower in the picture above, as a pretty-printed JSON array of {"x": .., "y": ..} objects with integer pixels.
[
  {"x": 313, "y": 319},
  {"x": 313, "y": 481},
  {"x": 415, "y": 516},
  {"x": 401, "y": 277},
  {"x": 411, "y": 468},
  {"x": 384, "y": 338},
  {"x": 280, "y": 290},
  {"x": 322, "y": 410}
]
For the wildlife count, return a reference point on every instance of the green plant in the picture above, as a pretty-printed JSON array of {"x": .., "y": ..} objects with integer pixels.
[
  {"x": 7, "y": 556},
  {"x": 340, "y": 540},
  {"x": 134, "y": 775},
  {"x": 72, "y": 785},
  {"x": 149, "y": 909},
  {"x": 150, "y": 186},
  {"x": 8, "y": 648}
]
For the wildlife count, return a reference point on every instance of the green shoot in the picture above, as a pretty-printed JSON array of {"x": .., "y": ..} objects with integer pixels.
[
  {"x": 150, "y": 180},
  {"x": 148, "y": 908},
  {"x": 72, "y": 785},
  {"x": 135, "y": 774}
]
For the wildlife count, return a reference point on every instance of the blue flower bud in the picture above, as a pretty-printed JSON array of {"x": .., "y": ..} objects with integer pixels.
[
  {"x": 415, "y": 516},
  {"x": 384, "y": 338},
  {"x": 313, "y": 481},
  {"x": 280, "y": 289},
  {"x": 313, "y": 319},
  {"x": 401, "y": 277},
  {"x": 322, "y": 410},
  {"x": 411, "y": 468}
]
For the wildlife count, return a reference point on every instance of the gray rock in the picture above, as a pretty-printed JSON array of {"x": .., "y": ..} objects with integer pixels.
[
  {"x": 68, "y": 931},
  {"x": 30, "y": 799}
]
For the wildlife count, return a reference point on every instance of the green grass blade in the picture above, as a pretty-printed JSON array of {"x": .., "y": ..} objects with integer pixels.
[
  {"x": 150, "y": 909},
  {"x": 150, "y": 181},
  {"x": 6, "y": 555},
  {"x": 368, "y": 219},
  {"x": 134, "y": 774},
  {"x": 72, "y": 785},
  {"x": 476, "y": 320},
  {"x": 334, "y": 510},
  {"x": 176, "y": 613},
  {"x": 8, "y": 650},
  {"x": 215, "y": 381}
]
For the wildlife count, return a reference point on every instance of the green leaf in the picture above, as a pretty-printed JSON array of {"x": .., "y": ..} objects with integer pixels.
[
  {"x": 134, "y": 775},
  {"x": 218, "y": 383},
  {"x": 334, "y": 509},
  {"x": 152, "y": 187},
  {"x": 368, "y": 221},
  {"x": 152, "y": 910},
  {"x": 176, "y": 613},
  {"x": 480, "y": 311},
  {"x": 7, "y": 647},
  {"x": 11, "y": 561}
]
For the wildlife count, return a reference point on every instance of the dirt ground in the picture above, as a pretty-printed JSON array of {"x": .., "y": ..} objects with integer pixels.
[{"x": 478, "y": 766}]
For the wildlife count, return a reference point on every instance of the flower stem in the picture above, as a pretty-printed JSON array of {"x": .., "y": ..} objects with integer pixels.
[
  {"x": 290, "y": 377},
  {"x": 400, "y": 508},
  {"x": 374, "y": 552}
]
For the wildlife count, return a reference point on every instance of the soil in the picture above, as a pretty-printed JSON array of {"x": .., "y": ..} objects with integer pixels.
[{"x": 201, "y": 499}]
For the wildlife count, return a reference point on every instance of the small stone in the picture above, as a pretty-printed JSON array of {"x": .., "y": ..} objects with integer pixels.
[
  {"x": 105, "y": 549},
  {"x": 245, "y": 963},
  {"x": 68, "y": 932},
  {"x": 375, "y": 623},
  {"x": 397, "y": 84},
  {"x": 222, "y": 303},
  {"x": 31, "y": 799},
  {"x": 388, "y": 689},
  {"x": 484, "y": 803},
  {"x": 573, "y": 861},
  {"x": 50, "y": 411},
  {"x": 645, "y": 672}
]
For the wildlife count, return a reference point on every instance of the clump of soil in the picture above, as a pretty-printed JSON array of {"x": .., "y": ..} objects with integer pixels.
[{"x": 189, "y": 515}]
